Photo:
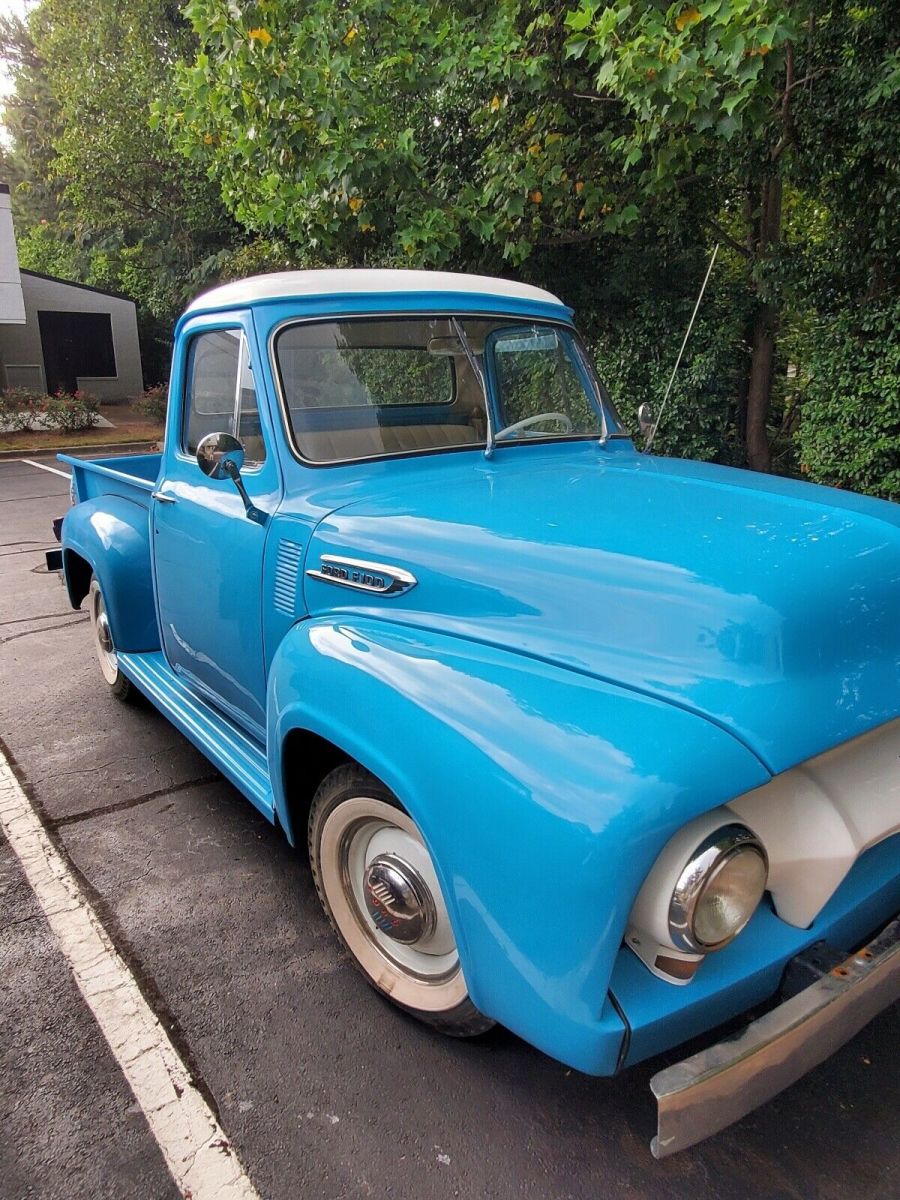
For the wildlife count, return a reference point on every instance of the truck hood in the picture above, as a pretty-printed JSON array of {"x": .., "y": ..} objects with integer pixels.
[{"x": 769, "y": 607}]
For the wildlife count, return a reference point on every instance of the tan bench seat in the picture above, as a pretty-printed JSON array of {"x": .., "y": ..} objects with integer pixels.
[{"x": 336, "y": 444}]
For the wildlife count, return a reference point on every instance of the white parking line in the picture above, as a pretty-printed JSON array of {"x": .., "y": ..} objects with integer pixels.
[
  {"x": 202, "y": 1161},
  {"x": 43, "y": 467}
]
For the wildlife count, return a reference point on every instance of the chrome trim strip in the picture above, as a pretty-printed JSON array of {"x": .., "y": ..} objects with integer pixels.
[
  {"x": 703, "y": 1094},
  {"x": 377, "y": 579}
]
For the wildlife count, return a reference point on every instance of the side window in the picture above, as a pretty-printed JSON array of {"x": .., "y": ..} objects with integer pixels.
[{"x": 221, "y": 395}]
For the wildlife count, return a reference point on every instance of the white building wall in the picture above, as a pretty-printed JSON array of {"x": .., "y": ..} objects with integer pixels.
[
  {"x": 22, "y": 353},
  {"x": 12, "y": 306}
]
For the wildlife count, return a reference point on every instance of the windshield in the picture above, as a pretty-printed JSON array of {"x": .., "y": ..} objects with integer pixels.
[
  {"x": 371, "y": 387},
  {"x": 541, "y": 385}
]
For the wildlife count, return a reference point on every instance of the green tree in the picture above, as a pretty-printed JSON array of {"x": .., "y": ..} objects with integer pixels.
[
  {"x": 119, "y": 207},
  {"x": 414, "y": 132},
  {"x": 729, "y": 95},
  {"x": 32, "y": 121},
  {"x": 523, "y": 134},
  {"x": 118, "y": 173},
  {"x": 708, "y": 94}
]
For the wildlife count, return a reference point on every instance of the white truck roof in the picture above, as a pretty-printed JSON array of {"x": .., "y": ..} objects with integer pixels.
[{"x": 285, "y": 285}]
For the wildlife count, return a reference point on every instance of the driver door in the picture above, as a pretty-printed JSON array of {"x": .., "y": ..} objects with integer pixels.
[{"x": 208, "y": 555}]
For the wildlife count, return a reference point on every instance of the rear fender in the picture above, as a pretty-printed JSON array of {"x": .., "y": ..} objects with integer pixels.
[
  {"x": 544, "y": 797},
  {"x": 111, "y": 535}
]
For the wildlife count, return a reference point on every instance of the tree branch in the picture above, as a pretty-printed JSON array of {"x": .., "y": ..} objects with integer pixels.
[
  {"x": 786, "y": 120},
  {"x": 806, "y": 79},
  {"x": 598, "y": 98},
  {"x": 725, "y": 237}
]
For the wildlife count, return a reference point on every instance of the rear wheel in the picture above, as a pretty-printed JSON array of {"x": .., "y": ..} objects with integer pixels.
[
  {"x": 121, "y": 688},
  {"x": 378, "y": 886}
]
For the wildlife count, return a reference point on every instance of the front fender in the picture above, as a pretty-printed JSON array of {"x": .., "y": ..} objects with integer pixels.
[
  {"x": 112, "y": 535},
  {"x": 544, "y": 797}
]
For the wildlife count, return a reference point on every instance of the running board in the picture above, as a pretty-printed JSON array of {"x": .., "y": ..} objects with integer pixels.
[{"x": 239, "y": 759}]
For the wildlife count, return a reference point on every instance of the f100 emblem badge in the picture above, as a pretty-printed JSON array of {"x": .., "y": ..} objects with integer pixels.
[{"x": 376, "y": 578}]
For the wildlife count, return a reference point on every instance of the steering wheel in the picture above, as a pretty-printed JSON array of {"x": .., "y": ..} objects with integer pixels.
[{"x": 529, "y": 421}]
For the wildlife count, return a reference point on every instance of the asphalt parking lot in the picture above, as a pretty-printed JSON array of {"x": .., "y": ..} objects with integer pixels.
[{"x": 324, "y": 1091}]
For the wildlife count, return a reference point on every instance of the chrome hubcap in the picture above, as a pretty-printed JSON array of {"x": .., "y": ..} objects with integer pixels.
[
  {"x": 106, "y": 647},
  {"x": 390, "y": 883},
  {"x": 398, "y": 900},
  {"x": 103, "y": 634},
  {"x": 383, "y": 894}
]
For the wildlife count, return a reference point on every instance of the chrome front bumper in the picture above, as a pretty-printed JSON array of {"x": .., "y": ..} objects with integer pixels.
[{"x": 712, "y": 1089}]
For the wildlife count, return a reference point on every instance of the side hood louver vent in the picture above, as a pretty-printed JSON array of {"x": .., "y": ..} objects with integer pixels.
[{"x": 287, "y": 574}]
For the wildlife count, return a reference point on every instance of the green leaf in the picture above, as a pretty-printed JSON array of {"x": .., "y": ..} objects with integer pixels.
[{"x": 580, "y": 19}]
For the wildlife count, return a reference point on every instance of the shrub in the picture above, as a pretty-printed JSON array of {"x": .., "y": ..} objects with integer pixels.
[
  {"x": 71, "y": 412},
  {"x": 153, "y": 402},
  {"x": 635, "y": 355},
  {"x": 21, "y": 408},
  {"x": 850, "y": 416}
]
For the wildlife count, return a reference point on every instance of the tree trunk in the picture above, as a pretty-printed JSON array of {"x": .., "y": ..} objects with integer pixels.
[
  {"x": 765, "y": 325},
  {"x": 759, "y": 391}
]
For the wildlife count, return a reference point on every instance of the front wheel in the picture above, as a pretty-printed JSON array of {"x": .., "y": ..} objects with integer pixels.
[
  {"x": 378, "y": 886},
  {"x": 121, "y": 688}
]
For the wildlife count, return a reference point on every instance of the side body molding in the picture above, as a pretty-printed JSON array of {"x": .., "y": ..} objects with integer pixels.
[
  {"x": 112, "y": 535},
  {"x": 543, "y": 795}
]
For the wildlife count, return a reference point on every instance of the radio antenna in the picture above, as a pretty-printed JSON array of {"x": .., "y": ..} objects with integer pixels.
[{"x": 652, "y": 433}]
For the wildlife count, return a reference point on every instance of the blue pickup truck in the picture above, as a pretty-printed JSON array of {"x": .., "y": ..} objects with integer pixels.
[{"x": 594, "y": 744}]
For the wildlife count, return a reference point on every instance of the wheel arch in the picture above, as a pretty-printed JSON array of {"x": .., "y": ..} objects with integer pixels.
[
  {"x": 109, "y": 536},
  {"x": 306, "y": 758},
  {"x": 77, "y": 572}
]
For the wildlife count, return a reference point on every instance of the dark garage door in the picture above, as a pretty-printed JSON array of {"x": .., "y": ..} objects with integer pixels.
[{"x": 76, "y": 343}]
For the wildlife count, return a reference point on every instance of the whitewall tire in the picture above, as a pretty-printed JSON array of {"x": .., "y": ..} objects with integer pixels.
[
  {"x": 105, "y": 647},
  {"x": 378, "y": 886}
]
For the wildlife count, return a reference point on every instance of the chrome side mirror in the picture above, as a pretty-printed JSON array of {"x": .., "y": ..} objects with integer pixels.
[
  {"x": 645, "y": 419},
  {"x": 221, "y": 456}
]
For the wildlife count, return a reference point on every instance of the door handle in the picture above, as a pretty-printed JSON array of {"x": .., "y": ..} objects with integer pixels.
[{"x": 164, "y": 497}]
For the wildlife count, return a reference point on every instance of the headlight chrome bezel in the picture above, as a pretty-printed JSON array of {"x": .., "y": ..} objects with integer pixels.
[{"x": 701, "y": 870}]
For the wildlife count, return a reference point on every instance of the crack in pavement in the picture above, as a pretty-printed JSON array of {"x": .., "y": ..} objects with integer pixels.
[
  {"x": 39, "y": 617},
  {"x": 21, "y": 921},
  {"x": 87, "y": 770},
  {"x": 43, "y": 496},
  {"x": 122, "y": 805},
  {"x": 43, "y": 629},
  {"x": 103, "y": 766},
  {"x": 12, "y": 553}
]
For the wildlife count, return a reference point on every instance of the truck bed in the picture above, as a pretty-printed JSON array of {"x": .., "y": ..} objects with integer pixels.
[{"x": 133, "y": 476}]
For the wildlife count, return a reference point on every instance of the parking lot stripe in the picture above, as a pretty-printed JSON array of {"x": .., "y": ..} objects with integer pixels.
[
  {"x": 199, "y": 1156},
  {"x": 43, "y": 467}
]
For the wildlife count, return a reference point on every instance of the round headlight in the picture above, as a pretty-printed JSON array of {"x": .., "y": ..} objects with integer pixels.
[{"x": 719, "y": 889}]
